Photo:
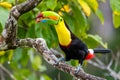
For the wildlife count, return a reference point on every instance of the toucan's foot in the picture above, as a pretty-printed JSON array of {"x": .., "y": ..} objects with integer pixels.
[
  {"x": 77, "y": 69},
  {"x": 60, "y": 60}
]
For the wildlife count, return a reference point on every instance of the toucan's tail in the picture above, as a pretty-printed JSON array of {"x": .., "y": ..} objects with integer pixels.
[{"x": 99, "y": 50}]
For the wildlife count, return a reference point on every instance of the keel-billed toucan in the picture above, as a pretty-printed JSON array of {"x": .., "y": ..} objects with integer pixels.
[{"x": 72, "y": 46}]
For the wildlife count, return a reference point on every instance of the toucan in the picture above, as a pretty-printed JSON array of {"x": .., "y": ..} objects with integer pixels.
[{"x": 72, "y": 46}]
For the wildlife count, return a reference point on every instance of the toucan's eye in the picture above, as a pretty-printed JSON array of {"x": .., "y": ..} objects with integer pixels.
[{"x": 60, "y": 19}]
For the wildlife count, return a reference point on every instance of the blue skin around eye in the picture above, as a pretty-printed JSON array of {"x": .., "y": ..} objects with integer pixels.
[{"x": 44, "y": 21}]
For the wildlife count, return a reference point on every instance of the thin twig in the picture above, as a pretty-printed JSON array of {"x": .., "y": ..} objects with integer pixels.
[
  {"x": 1, "y": 74},
  {"x": 101, "y": 65},
  {"x": 7, "y": 71}
]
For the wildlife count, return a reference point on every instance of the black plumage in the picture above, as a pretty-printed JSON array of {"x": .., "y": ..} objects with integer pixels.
[{"x": 76, "y": 49}]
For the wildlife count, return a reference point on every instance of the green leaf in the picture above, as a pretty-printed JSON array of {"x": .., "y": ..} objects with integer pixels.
[
  {"x": 93, "y": 4},
  {"x": 95, "y": 40},
  {"x": 3, "y": 16},
  {"x": 31, "y": 32},
  {"x": 115, "y": 5},
  {"x": 74, "y": 62},
  {"x": 116, "y": 20},
  {"x": 11, "y": 1},
  {"x": 38, "y": 29},
  {"x": 1, "y": 28},
  {"x": 17, "y": 54},
  {"x": 69, "y": 20},
  {"x": 100, "y": 15},
  {"x": 80, "y": 22},
  {"x": 51, "y": 4},
  {"x": 24, "y": 72},
  {"x": 31, "y": 54},
  {"x": 47, "y": 32},
  {"x": 43, "y": 30},
  {"x": 21, "y": 32},
  {"x": 42, "y": 6},
  {"x": 32, "y": 77},
  {"x": 3, "y": 59},
  {"x": 45, "y": 77},
  {"x": 18, "y": 76},
  {"x": 10, "y": 54},
  {"x": 85, "y": 7},
  {"x": 25, "y": 58},
  {"x": 36, "y": 63}
]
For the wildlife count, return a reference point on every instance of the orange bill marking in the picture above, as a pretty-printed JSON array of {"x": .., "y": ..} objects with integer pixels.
[{"x": 53, "y": 17}]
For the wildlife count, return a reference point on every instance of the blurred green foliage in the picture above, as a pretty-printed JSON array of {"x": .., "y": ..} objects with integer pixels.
[
  {"x": 115, "y": 5},
  {"x": 25, "y": 63}
]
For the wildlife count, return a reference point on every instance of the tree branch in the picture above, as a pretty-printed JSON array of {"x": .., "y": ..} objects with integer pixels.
[
  {"x": 8, "y": 40},
  {"x": 8, "y": 37},
  {"x": 40, "y": 45}
]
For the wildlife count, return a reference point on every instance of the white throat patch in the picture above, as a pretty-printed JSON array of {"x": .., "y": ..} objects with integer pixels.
[{"x": 91, "y": 51}]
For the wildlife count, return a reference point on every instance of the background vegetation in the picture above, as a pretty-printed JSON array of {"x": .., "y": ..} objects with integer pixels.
[{"x": 27, "y": 64}]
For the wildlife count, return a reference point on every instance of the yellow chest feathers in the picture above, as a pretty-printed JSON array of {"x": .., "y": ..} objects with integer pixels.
[{"x": 63, "y": 33}]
